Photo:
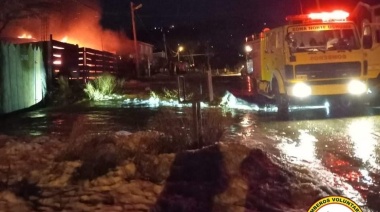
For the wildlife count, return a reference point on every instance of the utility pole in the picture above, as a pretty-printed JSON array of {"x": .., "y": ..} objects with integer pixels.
[
  {"x": 165, "y": 48},
  {"x": 137, "y": 61},
  {"x": 301, "y": 7},
  {"x": 180, "y": 49}
]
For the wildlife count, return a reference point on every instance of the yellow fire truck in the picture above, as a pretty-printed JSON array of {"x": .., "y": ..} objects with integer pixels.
[
  {"x": 368, "y": 19},
  {"x": 317, "y": 56}
]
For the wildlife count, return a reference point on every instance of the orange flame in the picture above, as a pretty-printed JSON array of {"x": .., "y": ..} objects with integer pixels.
[
  {"x": 25, "y": 36},
  {"x": 65, "y": 39}
]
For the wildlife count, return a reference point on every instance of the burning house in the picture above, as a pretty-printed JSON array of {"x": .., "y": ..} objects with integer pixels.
[{"x": 79, "y": 48}]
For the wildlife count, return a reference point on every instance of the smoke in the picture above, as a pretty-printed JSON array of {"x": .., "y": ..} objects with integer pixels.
[
  {"x": 75, "y": 22},
  {"x": 79, "y": 23}
]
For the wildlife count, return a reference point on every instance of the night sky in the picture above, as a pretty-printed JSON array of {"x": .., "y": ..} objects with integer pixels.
[
  {"x": 167, "y": 12},
  {"x": 223, "y": 23}
]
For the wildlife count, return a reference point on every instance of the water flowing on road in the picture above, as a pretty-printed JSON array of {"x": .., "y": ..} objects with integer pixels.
[{"x": 345, "y": 151}]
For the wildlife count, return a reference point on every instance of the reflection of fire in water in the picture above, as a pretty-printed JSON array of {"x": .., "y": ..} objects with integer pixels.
[
  {"x": 25, "y": 36},
  {"x": 354, "y": 158}
]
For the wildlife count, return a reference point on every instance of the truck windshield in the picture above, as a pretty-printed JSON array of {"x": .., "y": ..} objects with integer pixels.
[{"x": 324, "y": 40}]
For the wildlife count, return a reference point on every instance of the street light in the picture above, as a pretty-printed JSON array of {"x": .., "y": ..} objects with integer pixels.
[
  {"x": 133, "y": 8},
  {"x": 248, "y": 49},
  {"x": 180, "y": 49}
]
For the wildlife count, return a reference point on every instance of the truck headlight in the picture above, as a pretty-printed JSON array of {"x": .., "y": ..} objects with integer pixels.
[
  {"x": 357, "y": 87},
  {"x": 301, "y": 90}
]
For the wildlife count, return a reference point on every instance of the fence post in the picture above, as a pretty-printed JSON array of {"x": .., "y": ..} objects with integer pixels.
[{"x": 210, "y": 86}]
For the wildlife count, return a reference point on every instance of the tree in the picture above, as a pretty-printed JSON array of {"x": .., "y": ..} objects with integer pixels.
[{"x": 11, "y": 10}]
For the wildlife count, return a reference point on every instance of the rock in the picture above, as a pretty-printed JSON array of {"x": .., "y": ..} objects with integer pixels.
[
  {"x": 113, "y": 208},
  {"x": 86, "y": 184},
  {"x": 124, "y": 189},
  {"x": 229, "y": 208},
  {"x": 235, "y": 193},
  {"x": 123, "y": 133},
  {"x": 9, "y": 197},
  {"x": 41, "y": 140},
  {"x": 141, "y": 141},
  {"x": 233, "y": 155},
  {"x": 48, "y": 202},
  {"x": 104, "y": 188},
  {"x": 157, "y": 189},
  {"x": 77, "y": 206},
  {"x": 4, "y": 139},
  {"x": 93, "y": 199},
  {"x": 45, "y": 209},
  {"x": 129, "y": 170},
  {"x": 57, "y": 175},
  {"x": 373, "y": 200},
  {"x": 136, "y": 207},
  {"x": 155, "y": 168}
]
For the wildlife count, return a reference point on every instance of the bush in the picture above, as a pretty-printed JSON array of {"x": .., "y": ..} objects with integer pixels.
[
  {"x": 66, "y": 91},
  {"x": 64, "y": 87},
  {"x": 103, "y": 86},
  {"x": 173, "y": 94},
  {"x": 178, "y": 131}
]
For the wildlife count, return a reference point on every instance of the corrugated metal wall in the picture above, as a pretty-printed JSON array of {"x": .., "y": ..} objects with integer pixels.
[{"x": 22, "y": 77}]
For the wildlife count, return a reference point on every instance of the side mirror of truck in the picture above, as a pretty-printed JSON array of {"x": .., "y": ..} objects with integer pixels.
[
  {"x": 367, "y": 37},
  {"x": 290, "y": 38},
  {"x": 291, "y": 42}
]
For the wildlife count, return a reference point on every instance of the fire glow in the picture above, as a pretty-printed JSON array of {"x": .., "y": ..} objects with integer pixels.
[
  {"x": 64, "y": 39},
  {"x": 25, "y": 36},
  {"x": 57, "y": 62}
]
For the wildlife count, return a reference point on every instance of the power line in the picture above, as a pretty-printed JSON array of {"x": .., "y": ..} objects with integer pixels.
[{"x": 88, "y": 6}]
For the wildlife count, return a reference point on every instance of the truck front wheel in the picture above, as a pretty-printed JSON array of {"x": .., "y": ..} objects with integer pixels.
[{"x": 281, "y": 100}]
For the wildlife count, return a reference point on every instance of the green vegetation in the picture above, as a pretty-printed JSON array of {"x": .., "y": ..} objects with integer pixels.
[
  {"x": 66, "y": 92},
  {"x": 64, "y": 89},
  {"x": 103, "y": 87}
]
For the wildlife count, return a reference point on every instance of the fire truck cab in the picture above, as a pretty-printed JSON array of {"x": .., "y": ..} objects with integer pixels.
[
  {"x": 368, "y": 20},
  {"x": 314, "y": 55}
]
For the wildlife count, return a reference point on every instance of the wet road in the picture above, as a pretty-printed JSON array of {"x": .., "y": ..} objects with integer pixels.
[
  {"x": 97, "y": 117},
  {"x": 348, "y": 147}
]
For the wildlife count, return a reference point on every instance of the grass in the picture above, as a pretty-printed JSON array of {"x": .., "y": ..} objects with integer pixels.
[
  {"x": 103, "y": 86},
  {"x": 178, "y": 131}
]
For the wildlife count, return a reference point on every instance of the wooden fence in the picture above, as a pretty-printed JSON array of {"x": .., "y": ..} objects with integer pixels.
[
  {"x": 81, "y": 64},
  {"x": 22, "y": 76},
  {"x": 93, "y": 63}
]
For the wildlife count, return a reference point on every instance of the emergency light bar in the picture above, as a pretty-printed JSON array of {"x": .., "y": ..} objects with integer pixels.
[{"x": 336, "y": 15}]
